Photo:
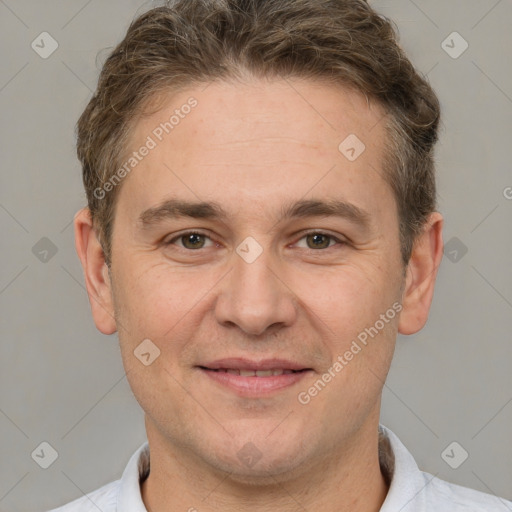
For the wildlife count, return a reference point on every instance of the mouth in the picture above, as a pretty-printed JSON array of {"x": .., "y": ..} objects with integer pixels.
[
  {"x": 254, "y": 378},
  {"x": 254, "y": 373}
]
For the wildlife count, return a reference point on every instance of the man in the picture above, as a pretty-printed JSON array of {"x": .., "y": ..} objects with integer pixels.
[{"x": 261, "y": 225}]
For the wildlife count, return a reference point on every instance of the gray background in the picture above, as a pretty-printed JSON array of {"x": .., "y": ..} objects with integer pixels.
[{"x": 62, "y": 382}]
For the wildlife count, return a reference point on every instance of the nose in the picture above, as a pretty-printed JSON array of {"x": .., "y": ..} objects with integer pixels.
[{"x": 255, "y": 296}]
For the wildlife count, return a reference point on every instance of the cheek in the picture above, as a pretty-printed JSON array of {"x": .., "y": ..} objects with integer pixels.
[
  {"x": 346, "y": 298},
  {"x": 357, "y": 313},
  {"x": 151, "y": 300}
]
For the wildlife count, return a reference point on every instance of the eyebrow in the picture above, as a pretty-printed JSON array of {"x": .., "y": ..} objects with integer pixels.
[{"x": 175, "y": 208}]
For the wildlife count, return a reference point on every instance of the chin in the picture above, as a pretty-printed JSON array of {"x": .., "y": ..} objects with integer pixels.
[
  {"x": 257, "y": 460},
  {"x": 262, "y": 474}
]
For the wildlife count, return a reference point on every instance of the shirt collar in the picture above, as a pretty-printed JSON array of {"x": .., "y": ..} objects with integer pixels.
[
  {"x": 129, "y": 498},
  {"x": 397, "y": 464},
  {"x": 405, "y": 479}
]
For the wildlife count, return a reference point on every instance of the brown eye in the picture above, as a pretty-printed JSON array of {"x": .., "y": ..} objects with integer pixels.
[
  {"x": 318, "y": 240},
  {"x": 190, "y": 240}
]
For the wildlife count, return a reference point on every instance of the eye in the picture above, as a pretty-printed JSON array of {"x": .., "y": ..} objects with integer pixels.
[
  {"x": 190, "y": 240},
  {"x": 320, "y": 240},
  {"x": 194, "y": 240}
]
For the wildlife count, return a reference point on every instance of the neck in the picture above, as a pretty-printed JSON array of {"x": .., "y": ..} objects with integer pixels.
[{"x": 349, "y": 479}]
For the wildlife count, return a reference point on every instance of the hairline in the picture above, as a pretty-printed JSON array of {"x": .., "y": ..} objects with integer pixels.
[{"x": 156, "y": 99}]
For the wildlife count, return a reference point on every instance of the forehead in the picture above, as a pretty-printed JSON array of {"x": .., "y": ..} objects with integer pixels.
[
  {"x": 261, "y": 108},
  {"x": 259, "y": 141}
]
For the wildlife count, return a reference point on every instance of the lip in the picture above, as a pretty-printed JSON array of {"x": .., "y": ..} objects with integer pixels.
[
  {"x": 253, "y": 386},
  {"x": 240, "y": 363}
]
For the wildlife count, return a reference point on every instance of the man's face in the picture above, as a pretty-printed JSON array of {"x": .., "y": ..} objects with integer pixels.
[{"x": 257, "y": 285}]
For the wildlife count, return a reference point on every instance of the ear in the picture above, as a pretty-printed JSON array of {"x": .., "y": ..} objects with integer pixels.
[
  {"x": 97, "y": 279},
  {"x": 421, "y": 275}
]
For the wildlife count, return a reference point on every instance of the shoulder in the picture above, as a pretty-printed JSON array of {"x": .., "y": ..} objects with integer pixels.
[
  {"x": 104, "y": 499},
  {"x": 413, "y": 490},
  {"x": 444, "y": 496}
]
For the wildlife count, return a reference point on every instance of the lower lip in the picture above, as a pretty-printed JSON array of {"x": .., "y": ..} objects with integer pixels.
[{"x": 255, "y": 386}]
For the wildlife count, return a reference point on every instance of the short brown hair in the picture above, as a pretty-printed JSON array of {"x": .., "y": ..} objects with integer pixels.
[{"x": 188, "y": 42}]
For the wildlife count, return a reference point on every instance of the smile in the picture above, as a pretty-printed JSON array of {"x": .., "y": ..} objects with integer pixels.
[
  {"x": 254, "y": 383},
  {"x": 254, "y": 373}
]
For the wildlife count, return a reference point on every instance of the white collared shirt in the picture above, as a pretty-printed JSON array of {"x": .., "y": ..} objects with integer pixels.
[{"x": 411, "y": 490}]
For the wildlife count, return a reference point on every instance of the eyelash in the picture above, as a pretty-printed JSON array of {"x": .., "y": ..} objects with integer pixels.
[{"x": 312, "y": 232}]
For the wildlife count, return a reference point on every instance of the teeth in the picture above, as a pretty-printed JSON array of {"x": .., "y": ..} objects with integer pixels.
[
  {"x": 264, "y": 373},
  {"x": 255, "y": 373}
]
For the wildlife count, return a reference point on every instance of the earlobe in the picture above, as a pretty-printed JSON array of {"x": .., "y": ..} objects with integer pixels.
[
  {"x": 97, "y": 278},
  {"x": 421, "y": 276}
]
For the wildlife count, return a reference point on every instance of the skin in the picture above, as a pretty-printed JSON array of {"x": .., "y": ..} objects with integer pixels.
[{"x": 253, "y": 147}]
